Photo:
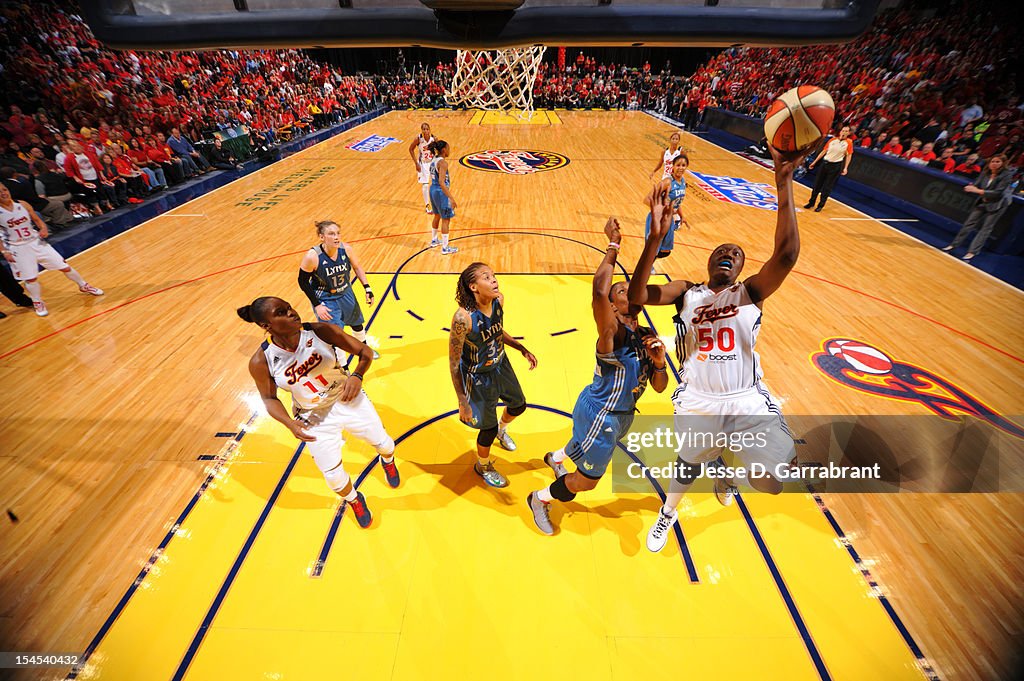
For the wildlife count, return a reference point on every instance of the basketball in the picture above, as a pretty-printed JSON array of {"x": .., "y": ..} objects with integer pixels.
[{"x": 799, "y": 118}]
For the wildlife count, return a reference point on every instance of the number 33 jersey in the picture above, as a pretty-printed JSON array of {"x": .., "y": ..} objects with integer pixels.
[
  {"x": 715, "y": 337},
  {"x": 311, "y": 374}
]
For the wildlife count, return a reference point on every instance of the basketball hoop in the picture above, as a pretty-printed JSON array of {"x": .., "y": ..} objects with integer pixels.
[{"x": 496, "y": 80}]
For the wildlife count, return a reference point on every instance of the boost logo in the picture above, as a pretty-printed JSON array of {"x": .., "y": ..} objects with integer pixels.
[{"x": 514, "y": 161}]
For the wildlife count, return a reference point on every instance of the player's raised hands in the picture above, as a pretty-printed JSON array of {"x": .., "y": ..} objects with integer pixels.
[
  {"x": 661, "y": 212},
  {"x": 788, "y": 161},
  {"x": 613, "y": 231},
  {"x": 655, "y": 349}
]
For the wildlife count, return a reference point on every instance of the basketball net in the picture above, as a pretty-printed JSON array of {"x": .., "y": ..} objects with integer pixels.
[{"x": 496, "y": 80}]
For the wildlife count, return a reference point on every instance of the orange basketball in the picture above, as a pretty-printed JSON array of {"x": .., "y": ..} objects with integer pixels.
[{"x": 799, "y": 118}]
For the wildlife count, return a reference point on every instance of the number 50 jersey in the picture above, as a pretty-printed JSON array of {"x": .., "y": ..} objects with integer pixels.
[{"x": 715, "y": 338}]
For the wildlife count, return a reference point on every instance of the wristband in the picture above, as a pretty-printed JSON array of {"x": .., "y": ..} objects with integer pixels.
[
  {"x": 614, "y": 245},
  {"x": 356, "y": 374},
  {"x": 660, "y": 370}
]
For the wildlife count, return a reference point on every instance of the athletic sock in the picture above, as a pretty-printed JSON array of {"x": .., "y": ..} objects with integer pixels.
[
  {"x": 483, "y": 462},
  {"x": 359, "y": 335},
  {"x": 351, "y": 496},
  {"x": 444, "y": 240},
  {"x": 74, "y": 276},
  {"x": 559, "y": 456},
  {"x": 433, "y": 233},
  {"x": 545, "y": 495},
  {"x": 35, "y": 291},
  {"x": 388, "y": 459},
  {"x": 666, "y": 511}
]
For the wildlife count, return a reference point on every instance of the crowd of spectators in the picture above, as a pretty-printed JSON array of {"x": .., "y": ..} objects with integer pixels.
[{"x": 95, "y": 129}]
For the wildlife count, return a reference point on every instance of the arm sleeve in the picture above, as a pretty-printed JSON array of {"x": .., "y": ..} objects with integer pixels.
[{"x": 307, "y": 286}]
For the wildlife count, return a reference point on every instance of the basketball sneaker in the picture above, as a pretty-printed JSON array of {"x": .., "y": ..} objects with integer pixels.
[
  {"x": 448, "y": 250},
  {"x": 362, "y": 513},
  {"x": 434, "y": 243},
  {"x": 725, "y": 492},
  {"x": 91, "y": 290},
  {"x": 557, "y": 466},
  {"x": 540, "y": 514},
  {"x": 490, "y": 475},
  {"x": 658, "y": 534},
  {"x": 374, "y": 343},
  {"x": 391, "y": 473},
  {"x": 40, "y": 308},
  {"x": 505, "y": 441}
]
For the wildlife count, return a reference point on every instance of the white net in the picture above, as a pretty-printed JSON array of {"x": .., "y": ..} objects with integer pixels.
[{"x": 496, "y": 80}]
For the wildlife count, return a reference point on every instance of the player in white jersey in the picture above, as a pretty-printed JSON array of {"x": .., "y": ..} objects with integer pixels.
[
  {"x": 326, "y": 399},
  {"x": 419, "y": 149},
  {"x": 21, "y": 243},
  {"x": 667, "y": 157},
  {"x": 720, "y": 389}
]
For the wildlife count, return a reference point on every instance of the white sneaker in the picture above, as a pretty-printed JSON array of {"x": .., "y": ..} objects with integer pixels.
[
  {"x": 434, "y": 243},
  {"x": 91, "y": 290},
  {"x": 40, "y": 308},
  {"x": 505, "y": 441},
  {"x": 658, "y": 534},
  {"x": 448, "y": 250}
]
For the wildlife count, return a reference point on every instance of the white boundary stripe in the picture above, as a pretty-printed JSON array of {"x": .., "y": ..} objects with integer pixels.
[
  {"x": 912, "y": 238},
  {"x": 214, "y": 191},
  {"x": 874, "y": 219}
]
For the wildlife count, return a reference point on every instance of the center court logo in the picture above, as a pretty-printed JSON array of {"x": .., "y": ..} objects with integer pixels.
[{"x": 514, "y": 161}]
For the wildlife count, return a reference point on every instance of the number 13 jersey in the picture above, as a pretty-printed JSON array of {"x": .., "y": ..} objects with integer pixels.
[{"x": 715, "y": 338}]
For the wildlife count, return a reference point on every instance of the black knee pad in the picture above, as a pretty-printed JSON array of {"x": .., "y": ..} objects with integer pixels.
[
  {"x": 516, "y": 411},
  {"x": 357, "y": 329},
  {"x": 485, "y": 438},
  {"x": 663, "y": 254},
  {"x": 560, "y": 491},
  {"x": 688, "y": 472}
]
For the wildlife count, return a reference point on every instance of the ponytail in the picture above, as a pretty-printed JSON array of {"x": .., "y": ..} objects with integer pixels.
[{"x": 256, "y": 311}]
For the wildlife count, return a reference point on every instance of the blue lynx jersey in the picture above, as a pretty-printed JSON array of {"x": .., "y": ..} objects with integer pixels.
[
  {"x": 435, "y": 181},
  {"x": 676, "y": 192},
  {"x": 333, "y": 276},
  {"x": 484, "y": 347},
  {"x": 621, "y": 376}
]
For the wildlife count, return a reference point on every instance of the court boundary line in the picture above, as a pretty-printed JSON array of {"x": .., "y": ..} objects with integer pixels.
[
  {"x": 159, "y": 551},
  {"x": 225, "y": 587}
]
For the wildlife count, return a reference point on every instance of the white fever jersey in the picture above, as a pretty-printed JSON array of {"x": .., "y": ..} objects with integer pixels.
[
  {"x": 715, "y": 338},
  {"x": 425, "y": 155},
  {"x": 312, "y": 374},
  {"x": 668, "y": 157},
  {"x": 16, "y": 228}
]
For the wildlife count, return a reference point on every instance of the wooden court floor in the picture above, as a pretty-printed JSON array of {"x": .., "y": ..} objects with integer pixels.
[{"x": 168, "y": 528}]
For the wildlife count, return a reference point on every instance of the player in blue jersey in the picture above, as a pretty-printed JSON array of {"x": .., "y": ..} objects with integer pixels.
[
  {"x": 676, "y": 187},
  {"x": 628, "y": 356},
  {"x": 481, "y": 372},
  {"x": 325, "y": 276},
  {"x": 441, "y": 199}
]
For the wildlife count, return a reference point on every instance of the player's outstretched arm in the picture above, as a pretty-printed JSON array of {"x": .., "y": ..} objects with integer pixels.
[
  {"x": 787, "y": 236},
  {"x": 604, "y": 314},
  {"x": 456, "y": 339},
  {"x": 640, "y": 292},
  {"x": 260, "y": 372},
  {"x": 359, "y": 272},
  {"x": 353, "y": 346}
]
